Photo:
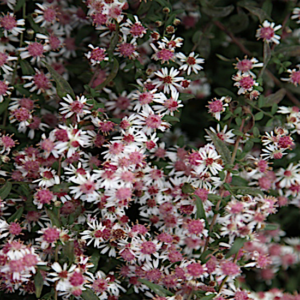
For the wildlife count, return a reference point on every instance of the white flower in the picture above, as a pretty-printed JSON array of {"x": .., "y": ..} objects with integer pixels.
[
  {"x": 191, "y": 62},
  {"x": 267, "y": 32},
  {"x": 168, "y": 79}
]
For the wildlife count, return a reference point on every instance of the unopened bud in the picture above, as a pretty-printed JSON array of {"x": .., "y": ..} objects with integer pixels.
[
  {"x": 227, "y": 99},
  {"x": 158, "y": 23},
  {"x": 170, "y": 29},
  {"x": 57, "y": 203},
  {"x": 5, "y": 158},
  {"x": 166, "y": 10},
  {"x": 176, "y": 22},
  {"x": 155, "y": 35}
]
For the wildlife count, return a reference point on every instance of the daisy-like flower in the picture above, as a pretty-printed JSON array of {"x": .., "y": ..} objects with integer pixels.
[
  {"x": 190, "y": 63},
  {"x": 289, "y": 176},
  {"x": 35, "y": 50},
  {"x": 210, "y": 160},
  {"x": 136, "y": 29},
  {"x": 167, "y": 79},
  {"x": 267, "y": 32},
  {"x": 216, "y": 106},
  {"x": 294, "y": 76},
  {"x": 164, "y": 54},
  {"x": 48, "y": 178},
  {"x": 5, "y": 89},
  {"x": 46, "y": 14},
  {"x": 246, "y": 65},
  {"x": 87, "y": 188},
  {"x": 244, "y": 82},
  {"x": 296, "y": 14},
  {"x": 168, "y": 105},
  {"x": 94, "y": 234},
  {"x": 79, "y": 107},
  {"x": 96, "y": 55},
  {"x": 4, "y": 62},
  {"x": 222, "y": 134},
  {"x": 10, "y": 25},
  {"x": 174, "y": 42},
  {"x": 126, "y": 49}
]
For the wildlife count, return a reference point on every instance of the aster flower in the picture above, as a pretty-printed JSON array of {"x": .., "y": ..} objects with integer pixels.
[
  {"x": 244, "y": 82},
  {"x": 294, "y": 77},
  {"x": 168, "y": 79},
  {"x": 190, "y": 63},
  {"x": 216, "y": 106},
  {"x": 46, "y": 14},
  {"x": 296, "y": 14},
  {"x": 10, "y": 25},
  {"x": 267, "y": 32},
  {"x": 96, "y": 55},
  {"x": 5, "y": 62},
  {"x": 245, "y": 66}
]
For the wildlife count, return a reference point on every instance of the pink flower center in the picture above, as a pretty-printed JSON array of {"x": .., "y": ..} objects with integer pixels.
[
  {"x": 123, "y": 193},
  {"x": 61, "y": 135},
  {"x": 171, "y": 104},
  {"x": 77, "y": 107},
  {"x": 48, "y": 175},
  {"x": 54, "y": 42},
  {"x": 36, "y": 49},
  {"x": 51, "y": 235},
  {"x": 267, "y": 33},
  {"x": 295, "y": 77},
  {"x": 244, "y": 65},
  {"x": 47, "y": 145},
  {"x": 153, "y": 121},
  {"x": 195, "y": 269},
  {"x": 21, "y": 114},
  {"x": 15, "y": 228},
  {"x": 148, "y": 248},
  {"x": 126, "y": 49},
  {"x": 285, "y": 142},
  {"x": 8, "y": 22},
  {"x": 41, "y": 81},
  {"x": 137, "y": 29},
  {"x": 165, "y": 54},
  {"x": 98, "y": 54},
  {"x": 247, "y": 82},
  {"x": 3, "y": 88},
  {"x": 123, "y": 103},
  {"x": 216, "y": 106},
  {"x": 77, "y": 279},
  {"x": 88, "y": 187},
  {"x": 287, "y": 173},
  {"x": 44, "y": 196},
  {"x": 195, "y": 227},
  {"x": 146, "y": 98},
  {"x": 209, "y": 161},
  {"x": 167, "y": 79},
  {"x": 7, "y": 141},
  {"x": 100, "y": 285},
  {"x": 3, "y": 59},
  {"x": 230, "y": 269},
  {"x": 49, "y": 15}
]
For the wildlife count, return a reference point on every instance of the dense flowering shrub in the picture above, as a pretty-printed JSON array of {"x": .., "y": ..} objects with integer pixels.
[{"x": 149, "y": 149}]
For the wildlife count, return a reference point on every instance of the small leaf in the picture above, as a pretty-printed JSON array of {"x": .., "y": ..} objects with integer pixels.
[
  {"x": 261, "y": 14},
  {"x": 157, "y": 289},
  {"x": 94, "y": 260},
  {"x": 274, "y": 98},
  {"x": 218, "y": 11},
  {"x": 274, "y": 109},
  {"x": 224, "y": 92},
  {"x": 221, "y": 57},
  {"x": 26, "y": 67},
  {"x": 267, "y": 57},
  {"x": 186, "y": 96},
  {"x": 4, "y": 105},
  {"x": 220, "y": 146},
  {"x": 5, "y": 190},
  {"x": 289, "y": 50},
  {"x": 271, "y": 227},
  {"x": 245, "y": 190},
  {"x": 113, "y": 41},
  {"x": 62, "y": 86},
  {"x": 19, "y": 5},
  {"x": 16, "y": 216},
  {"x": 68, "y": 251},
  {"x": 187, "y": 188},
  {"x": 170, "y": 119},
  {"x": 53, "y": 217},
  {"x": 200, "y": 214},
  {"x": 88, "y": 294},
  {"x": 258, "y": 116},
  {"x": 237, "y": 245},
  {"x": 38, "y": 283},
  {"x": 256, "y": 131}
]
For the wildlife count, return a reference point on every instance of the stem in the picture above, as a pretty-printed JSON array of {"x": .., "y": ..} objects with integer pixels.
[{"x": 236, "y": 145}]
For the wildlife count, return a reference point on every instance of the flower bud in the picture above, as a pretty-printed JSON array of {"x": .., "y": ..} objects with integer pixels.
[
  {"x": 166, "y": 10},
  {"x": 170, "y": 29}
]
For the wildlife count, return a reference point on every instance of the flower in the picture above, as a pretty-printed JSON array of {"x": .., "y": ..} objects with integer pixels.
[
  {"x": 191, "y": 62},
  {"x": 267, "y": 32},
  {"x": 246, "y": 65},
  {"x": 168, "y": 79},
  {"x": 294, "y": 76},
  {"x": 244, "y": 82},
  {"x": 216, "y": 106}
]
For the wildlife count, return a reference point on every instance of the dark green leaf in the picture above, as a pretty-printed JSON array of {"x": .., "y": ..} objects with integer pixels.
[
  {"x": 62, "y": 86},
  {"x": 258, "y": 116},
  {"x": 237, "y": 245},
  {"x": 26, "y": 67},
  {"x": 5, "y": 190},
  {"x": 289, "y": 50},
  {"x": 94, "y": 260},
  {"x": 274, "y": 98},
  {"x": 164, "y": 3},
  {"x": 256, "y": 131},
  {"x": 4, "y": 105},
  {"x": 245, "y": 190},
  {"x": 200, "y": 214},
  {"x": 38, "y": 283},
  {"x": 261, "y": 14},
  {"x": 238, "y": 22},
  {"x": 267, "y": 56},
  {"x": 16, "y": 216},
  {"x": 68, "y": 251},
  {"x": 113, "y": 41},
  {"x": 274, "y": 109},
  {"x": 218, "y": 11},
  {"x": 224, "y": 92},
  {"x": 157, "y": 289},
  {"x": 220, "y": 146},
  {"x": 88, "y": 294},
  {"x": 271, "y": 226},
  {"x": 170, "y": 119},
  {"x": 187, "y": 188},
  {"x": 53, "y": 217},
  {"x": 19, "y": 5},
  {"x": 185, "y": 96}
]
